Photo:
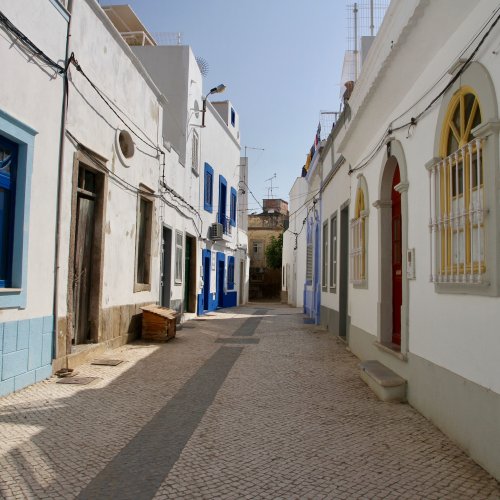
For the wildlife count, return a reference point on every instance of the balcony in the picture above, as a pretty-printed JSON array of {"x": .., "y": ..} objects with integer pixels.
[{"x": 226, "y": 224}]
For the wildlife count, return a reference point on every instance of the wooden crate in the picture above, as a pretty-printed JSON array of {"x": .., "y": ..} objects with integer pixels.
[{"x": 158, "y": 323}]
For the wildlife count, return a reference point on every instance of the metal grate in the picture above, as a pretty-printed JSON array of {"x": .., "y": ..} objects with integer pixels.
[{"x": 456, "y": 194}]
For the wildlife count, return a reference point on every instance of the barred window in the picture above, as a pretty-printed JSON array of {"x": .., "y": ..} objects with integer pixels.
[{"x": 456, "y": 185}]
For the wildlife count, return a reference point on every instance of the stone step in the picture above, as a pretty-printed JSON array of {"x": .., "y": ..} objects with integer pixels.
[{"x": 386, "y": 384}]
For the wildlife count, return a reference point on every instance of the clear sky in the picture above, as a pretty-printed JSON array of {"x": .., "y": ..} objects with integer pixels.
[{"x": 281, "y": 61}]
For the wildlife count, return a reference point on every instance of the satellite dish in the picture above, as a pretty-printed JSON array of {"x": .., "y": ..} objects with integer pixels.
[{"x": 203, "y": 65}]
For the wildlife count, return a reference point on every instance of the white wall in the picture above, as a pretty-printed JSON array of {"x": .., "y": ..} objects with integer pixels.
[
  {"x": 454, "y": 331},
  {"x": 95, "y": 126},
  {"x": 33, "y": 94}
]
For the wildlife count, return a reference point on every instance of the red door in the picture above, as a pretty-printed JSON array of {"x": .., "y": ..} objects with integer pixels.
[{"x": 397, "y": 288}]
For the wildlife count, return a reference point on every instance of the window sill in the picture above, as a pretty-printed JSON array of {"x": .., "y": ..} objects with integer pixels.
[
  {"x": 142, "y": 287},
  {"x": 484, "y": 288},
  {"x": 11, "y": 290},
  {"x": 361, "y": 285},
  {"x": 178, "y": 283},
  {"x": 392, "y": 349}
]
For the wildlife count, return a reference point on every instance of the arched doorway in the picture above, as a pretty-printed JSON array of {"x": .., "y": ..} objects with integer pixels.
[
  {"x": 392, "y": 207},
  {"x": 397, "y": 266}
]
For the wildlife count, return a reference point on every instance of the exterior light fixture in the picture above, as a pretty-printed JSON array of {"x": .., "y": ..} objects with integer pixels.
[{"x": 216, "y": 90}]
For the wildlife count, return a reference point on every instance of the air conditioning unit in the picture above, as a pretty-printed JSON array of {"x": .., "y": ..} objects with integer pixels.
[{"x": 216, "y": 231}]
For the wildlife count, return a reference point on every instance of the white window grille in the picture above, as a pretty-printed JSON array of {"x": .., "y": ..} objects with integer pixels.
[
  {"x": 358, "y": 250},
  {"x": 457, "y": 213}
]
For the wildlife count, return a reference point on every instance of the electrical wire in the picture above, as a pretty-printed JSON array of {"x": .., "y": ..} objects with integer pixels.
[
  {"x": 4, "y": 21},
  {"x": 130, "y": 187},
  {"x": 147, "y": 141},
  {"x": 414, "y": 120},
  {"x": 253, "y": 196}
]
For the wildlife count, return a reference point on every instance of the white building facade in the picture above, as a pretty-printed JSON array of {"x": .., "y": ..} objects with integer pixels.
[
  {"x": 103, "y": 187},
  {"x": 29, "y": 174},
  {"x": 409, "y": 211}
]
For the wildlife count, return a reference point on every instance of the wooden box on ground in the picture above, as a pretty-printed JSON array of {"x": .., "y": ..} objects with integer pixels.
[{"x": 158, "y": 323}]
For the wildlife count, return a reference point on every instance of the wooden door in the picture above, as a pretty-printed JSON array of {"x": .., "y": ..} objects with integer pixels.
[
  {"x": 397, "y": 278},
  {"x": 82, "y": 282}
]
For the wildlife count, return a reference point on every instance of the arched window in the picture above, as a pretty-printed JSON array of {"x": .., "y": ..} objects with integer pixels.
[
  {"x": 458, "y": 217},
  {"x": 358, "y": 236}
]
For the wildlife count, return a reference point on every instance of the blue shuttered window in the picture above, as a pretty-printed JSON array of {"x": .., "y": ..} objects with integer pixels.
[
  {"x": 208, "y": 188},
  {"x": 233, "y": 207}
]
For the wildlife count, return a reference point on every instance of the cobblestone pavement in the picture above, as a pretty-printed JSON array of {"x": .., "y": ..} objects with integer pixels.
[{"x": 244, "y": 403}]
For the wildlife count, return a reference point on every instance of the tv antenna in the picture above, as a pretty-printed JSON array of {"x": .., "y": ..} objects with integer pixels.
[
  {"x": 271, "y": 188},
  {"x": 254, "y": 149}
]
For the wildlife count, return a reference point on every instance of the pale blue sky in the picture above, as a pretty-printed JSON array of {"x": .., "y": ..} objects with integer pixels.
[{"x": 281, "y": 61}]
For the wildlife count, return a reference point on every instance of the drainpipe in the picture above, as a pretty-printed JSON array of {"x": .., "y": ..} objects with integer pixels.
[{"x": 59, "y": 186}]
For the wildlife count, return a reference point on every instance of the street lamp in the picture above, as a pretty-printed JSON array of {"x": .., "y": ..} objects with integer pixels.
[{"x": 216, "y": 90}]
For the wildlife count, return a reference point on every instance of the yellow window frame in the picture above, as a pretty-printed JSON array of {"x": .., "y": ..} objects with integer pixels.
[{"x": 448, "y": 179}]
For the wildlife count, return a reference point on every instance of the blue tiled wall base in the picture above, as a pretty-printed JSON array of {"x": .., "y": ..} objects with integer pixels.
[{"x": 25, "y": 352}]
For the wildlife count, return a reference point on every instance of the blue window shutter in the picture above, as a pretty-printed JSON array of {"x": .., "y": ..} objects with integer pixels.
[
  {"x": 208, "y": 188},
  {"x": 233, "y": 207},
  {"x": 222, "y": 200}
]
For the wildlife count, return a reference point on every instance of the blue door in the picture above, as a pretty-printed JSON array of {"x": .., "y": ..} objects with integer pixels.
[
  {"x": 220, "y": 278},
  {"x": 206, "y": 279}
]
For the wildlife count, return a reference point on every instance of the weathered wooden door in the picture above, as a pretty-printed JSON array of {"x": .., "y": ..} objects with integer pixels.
[
  {"x": 82, "y": 278},
  {"x": 397, "y": 278}
]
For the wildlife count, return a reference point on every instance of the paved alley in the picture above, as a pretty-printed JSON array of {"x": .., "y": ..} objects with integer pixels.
[{"x": 244, "y": 403}]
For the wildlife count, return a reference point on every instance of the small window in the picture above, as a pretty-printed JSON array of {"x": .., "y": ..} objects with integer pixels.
[
  {"x": 126, "y": 144},
  {"x": 333, "y": 253},
  {"x": 230, "y": 273},
  {"x": 194, "y": 152},
  {"x": 144, "y": 230},
  {"x": 324, "y": 273},
  {"x": 233, "y": 117},
  {"x": 258, "y": 250},
  {"x": 232, "y": 207},
  {"x": 208, "y": 188},
  {"x": 178, "y": 257}
]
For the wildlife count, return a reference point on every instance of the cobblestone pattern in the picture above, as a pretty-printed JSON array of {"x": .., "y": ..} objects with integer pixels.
[{"x": 292, "y": 420}]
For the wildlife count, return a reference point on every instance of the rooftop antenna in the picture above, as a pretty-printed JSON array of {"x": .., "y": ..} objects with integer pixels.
[
  {"x": 271, "y": 188},
  {"x": 255, "y": 149}
]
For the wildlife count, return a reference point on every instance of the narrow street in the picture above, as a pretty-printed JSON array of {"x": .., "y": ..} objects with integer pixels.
[{"x": 248, "y": 402}]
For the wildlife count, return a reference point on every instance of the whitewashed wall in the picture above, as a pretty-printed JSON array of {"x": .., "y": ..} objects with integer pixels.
[
  {"x": 33, "y": 94},
  {"x": 95, "y": 126}
]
